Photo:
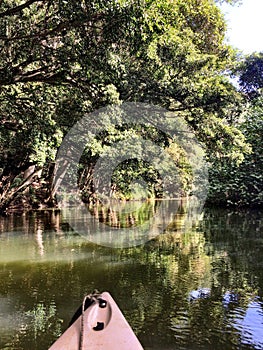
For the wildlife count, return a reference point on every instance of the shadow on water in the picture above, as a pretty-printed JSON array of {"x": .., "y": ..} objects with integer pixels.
[{"x": 196, "y": 286}]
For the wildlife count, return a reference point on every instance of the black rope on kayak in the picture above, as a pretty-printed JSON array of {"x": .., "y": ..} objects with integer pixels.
[
  {"x": 81, "y": 337},
  {"x": 92, "y": 298}
]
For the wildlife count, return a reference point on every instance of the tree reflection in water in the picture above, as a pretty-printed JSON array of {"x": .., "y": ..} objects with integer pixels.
[{"x": 197, "y": 286}]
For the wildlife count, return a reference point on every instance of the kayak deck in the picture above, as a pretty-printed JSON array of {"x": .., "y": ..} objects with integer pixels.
[{"x": 101, "y": 326}]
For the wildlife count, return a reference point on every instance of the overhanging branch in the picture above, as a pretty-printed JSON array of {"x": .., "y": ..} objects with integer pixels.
[{"x": 18, "y": 9}]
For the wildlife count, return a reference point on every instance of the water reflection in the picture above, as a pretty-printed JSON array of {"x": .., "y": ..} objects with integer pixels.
[
  {"x": 251, "y": 325},
  {"x": 246, "y": 319},
  {"x": 127, "y": 224},
  {"x": 196, "y": 286}
]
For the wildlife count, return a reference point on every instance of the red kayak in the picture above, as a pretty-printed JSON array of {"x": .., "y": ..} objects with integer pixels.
[{"x": 98, "y": 325}]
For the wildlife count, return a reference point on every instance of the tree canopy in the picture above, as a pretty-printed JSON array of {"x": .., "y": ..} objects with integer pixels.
[{"x": 61, "y": 59}]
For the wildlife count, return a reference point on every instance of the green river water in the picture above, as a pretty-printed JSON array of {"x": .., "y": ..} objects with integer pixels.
[{"x": 197, "y": 285}]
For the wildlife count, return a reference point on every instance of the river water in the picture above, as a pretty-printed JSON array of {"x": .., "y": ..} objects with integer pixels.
[{"x": 196, "y": 285}]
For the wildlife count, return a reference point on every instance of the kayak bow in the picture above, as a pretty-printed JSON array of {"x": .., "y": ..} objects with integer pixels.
[{"x": 99, "y": 324}]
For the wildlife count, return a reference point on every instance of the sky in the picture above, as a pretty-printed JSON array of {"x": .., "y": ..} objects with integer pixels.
[{"x": 245, "y": 23}]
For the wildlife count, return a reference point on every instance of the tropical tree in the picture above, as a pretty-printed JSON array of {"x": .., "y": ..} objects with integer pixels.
[{"x": 242, "y": 184}]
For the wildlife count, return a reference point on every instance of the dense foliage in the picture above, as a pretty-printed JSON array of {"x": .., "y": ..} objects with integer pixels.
[
  {"x": 61, "y": 59},
  {"x": 250, "y": 72},
  {"x": 242, "y": 185}
]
